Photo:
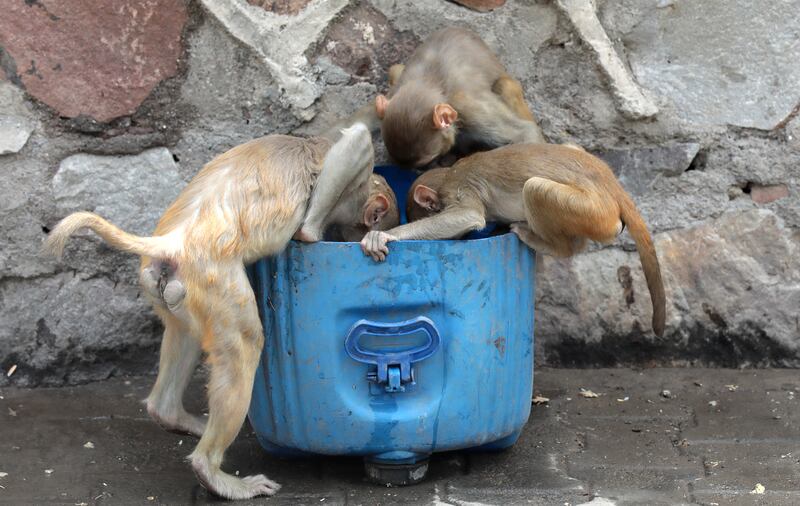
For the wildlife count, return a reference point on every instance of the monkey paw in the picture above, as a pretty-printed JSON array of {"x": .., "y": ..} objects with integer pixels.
[
  {"x": 232, "y": 487},
  {"x": 374, "y": 244}
]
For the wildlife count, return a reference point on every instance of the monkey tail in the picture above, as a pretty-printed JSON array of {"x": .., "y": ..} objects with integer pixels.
[
  {"x": 647, "y": 255},
  {"x": 157, "y": 246}
]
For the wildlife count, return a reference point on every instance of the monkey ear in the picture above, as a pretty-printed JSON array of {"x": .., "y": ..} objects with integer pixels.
[
  {"x": 426, "y": 197},
  {"x": 381, "y": 102},
  {"x": 444, "y": 115},
  {"x": 376, "y": 208}
]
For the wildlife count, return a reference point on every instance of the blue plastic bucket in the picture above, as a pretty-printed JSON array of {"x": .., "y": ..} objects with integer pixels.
[{"x": 431, "y": 350}]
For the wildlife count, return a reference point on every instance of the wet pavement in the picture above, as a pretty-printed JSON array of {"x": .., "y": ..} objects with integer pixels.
[{"x": 655, "y": 436}]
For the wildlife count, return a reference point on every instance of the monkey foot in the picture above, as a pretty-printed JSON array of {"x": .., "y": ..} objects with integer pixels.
[
  {"x": 231, "y": 487},
  {"x": 181, "y": 423}
]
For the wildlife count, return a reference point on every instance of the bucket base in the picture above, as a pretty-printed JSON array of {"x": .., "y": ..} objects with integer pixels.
[{"x": 396, "y": 472}]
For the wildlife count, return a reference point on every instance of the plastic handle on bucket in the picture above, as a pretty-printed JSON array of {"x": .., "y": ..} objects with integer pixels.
[{"x": 384, "y": 359}]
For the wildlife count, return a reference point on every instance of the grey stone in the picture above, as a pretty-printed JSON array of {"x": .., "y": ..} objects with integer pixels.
[
  {"x": 130, "y": 191},
  {"x": 14, "y": 133},
  {"x": 514, "y": 32},
  {"x": 16, "y": 121},
  {"x": 12, "y": 100},
  {"x": 636, "y": 168},
  {"x": 718, "y": 62},
  {"x": 66, "y": 329},
  {"x": 633, "y": 102},
  {"x": 232, "y": 94},
  {"x": 732, "y": 281},
  {"x": 793, "y": 130}
]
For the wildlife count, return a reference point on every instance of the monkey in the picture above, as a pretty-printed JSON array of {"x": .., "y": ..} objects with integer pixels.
[
  {"x": 243, "y": 205},
  {"x": 553, "y": 197},
  {"x": 420, "y": 127},
  {"x": 453, "y": 92},
  {"x": 379, "y": 188}
]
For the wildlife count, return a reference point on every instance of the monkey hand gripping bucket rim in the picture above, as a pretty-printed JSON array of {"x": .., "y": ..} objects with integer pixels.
[{"x": 429, "y": 351}]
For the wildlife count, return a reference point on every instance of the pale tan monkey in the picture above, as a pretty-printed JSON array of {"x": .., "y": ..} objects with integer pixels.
[
  {"x": 243, "y": 205},
  {"x": 453, "y": 91},
  {"x": 554, "y": 197}
]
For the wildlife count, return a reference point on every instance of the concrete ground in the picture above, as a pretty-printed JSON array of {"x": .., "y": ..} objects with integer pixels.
[{"x": 655, "y": 436}]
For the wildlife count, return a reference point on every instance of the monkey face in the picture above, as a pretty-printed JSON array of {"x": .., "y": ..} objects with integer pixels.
[
  {"x": 417, "y": 127},
  {"x": 417, "y": 147},
  {"x": 377, "y": 211}
]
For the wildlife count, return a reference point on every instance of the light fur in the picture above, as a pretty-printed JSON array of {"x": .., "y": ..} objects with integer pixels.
[{"x": 243, "y": 205}]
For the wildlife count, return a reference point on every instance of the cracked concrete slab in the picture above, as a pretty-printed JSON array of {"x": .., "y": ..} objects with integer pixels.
[
  {"x": 718, "y": 62},
  {"x": 575, "y": 450}
]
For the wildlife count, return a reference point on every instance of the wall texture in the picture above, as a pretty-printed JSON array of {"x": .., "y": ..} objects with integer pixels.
[{"x": 112, "y": 105}]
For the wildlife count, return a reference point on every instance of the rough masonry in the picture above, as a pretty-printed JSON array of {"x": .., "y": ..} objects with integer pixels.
[{"x": 113, "y": 106}]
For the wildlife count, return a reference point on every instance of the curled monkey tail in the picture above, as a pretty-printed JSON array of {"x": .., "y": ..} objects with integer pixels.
[
  {"x": 647, "y": 255},
  {"x": 157, "y": 246}
]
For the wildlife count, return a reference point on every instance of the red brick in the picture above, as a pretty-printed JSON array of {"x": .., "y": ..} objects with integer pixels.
[
  {"x": 766, "y": 194},
  {"x": 98, "y": 58}
]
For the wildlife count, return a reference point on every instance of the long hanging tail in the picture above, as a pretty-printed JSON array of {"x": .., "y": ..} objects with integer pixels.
[
  {"x": 647, "y": 255},
  {"x": 157, "y": 246}
]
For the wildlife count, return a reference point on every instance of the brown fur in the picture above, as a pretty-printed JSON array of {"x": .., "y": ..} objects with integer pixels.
[
  {"x": 243, "y": 205},
  {"x": 554, "y": 197},
  {"x": 453, "y": 68}
]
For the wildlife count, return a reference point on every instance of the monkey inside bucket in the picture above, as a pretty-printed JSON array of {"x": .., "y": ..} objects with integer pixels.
[
  {"x": 554, "y": 197},
  {"x": 245, "y": 204}
]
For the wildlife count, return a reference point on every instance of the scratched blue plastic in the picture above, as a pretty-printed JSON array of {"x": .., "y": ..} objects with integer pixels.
[{"x": 471, "y": 389}]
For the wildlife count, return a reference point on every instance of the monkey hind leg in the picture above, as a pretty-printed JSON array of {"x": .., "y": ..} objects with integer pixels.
[
  {"x": 180, "y": 353},
  {"x": 555, "y": 246},
  {"x": 234, "y": 347},
  {"x": 564, "y": 216},
  {"x": 510, "y": 91}
]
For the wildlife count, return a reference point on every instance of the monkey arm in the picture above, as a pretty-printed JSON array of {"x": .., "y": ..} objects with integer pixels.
[
  {"x": 452, "y": 222},
  {"x": 347, "y": 165},
  {"x": 365, "y": 114}
]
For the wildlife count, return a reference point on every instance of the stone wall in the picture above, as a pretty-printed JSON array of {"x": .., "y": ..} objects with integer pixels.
[{"x": 112, "y": 105}]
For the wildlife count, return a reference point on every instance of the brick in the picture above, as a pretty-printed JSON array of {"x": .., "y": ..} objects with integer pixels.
[
  {"x": 98, "y": 58},
  {"x": 770, "y": 193}
]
